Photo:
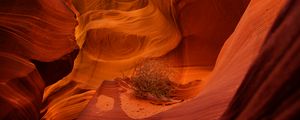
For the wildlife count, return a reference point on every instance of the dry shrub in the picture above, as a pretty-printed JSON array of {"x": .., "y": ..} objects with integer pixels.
[{"x": 151, "y": 80}]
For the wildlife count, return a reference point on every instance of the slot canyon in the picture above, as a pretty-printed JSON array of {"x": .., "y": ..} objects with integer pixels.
[{"x": 150, "y": 59}]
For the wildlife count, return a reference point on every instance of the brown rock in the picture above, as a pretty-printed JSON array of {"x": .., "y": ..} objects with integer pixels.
[
  {"x": 205, "y": 26},
  {"x": 270, "y": 89},
  {"x": 33, "y": 30},
  {"x": 21, "y": 88}
]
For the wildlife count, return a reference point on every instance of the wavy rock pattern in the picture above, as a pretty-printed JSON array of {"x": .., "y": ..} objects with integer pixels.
[
  {"x": 23, "y": 24},
  {"x": 41, "y": 31},
  {"x": 237, "y": 54},
  {"x": 248, "y": 69},
  {"x": 234, "y": 60},
  {"x": 142, "y": 32},
  {"x": 21, "y": 88},
  {"x": 113, "y": 36},
  {"x": 270, "y": 89}
]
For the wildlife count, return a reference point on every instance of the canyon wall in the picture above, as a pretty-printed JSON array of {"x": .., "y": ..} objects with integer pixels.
[
  {"x": 269, "y": 89},
  {"x": 234, "y": 60},
  {"x": 37, "y": 48},
  {"x": 113, "y": 36},
  {"x": 245, "y": 53},
  {"x": 205, "y": 26},
  {"x": 236, "y": 57}
]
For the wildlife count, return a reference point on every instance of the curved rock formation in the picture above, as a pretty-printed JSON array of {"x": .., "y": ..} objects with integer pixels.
[
  {"x": 238, "y": 53},
  {"x": 23, "y": 32},
  {"x": 234, "y": 60},
  {"x": 113, "y": 37},
  {"x": 21, "y": 88},
  {"x": 205, "y": 26},
  {"x": 247, "y": 68},
  {"x": 270, "y": 89},
  {"x": 37, "y": 36}
]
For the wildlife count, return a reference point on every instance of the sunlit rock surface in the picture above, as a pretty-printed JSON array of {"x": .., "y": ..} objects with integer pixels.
[
  {"x": 247, "y": 68},
  {"x": 113, "y": 37},
  {"x": 235, "y": 58},
  {"x": 270, "y": 89}
]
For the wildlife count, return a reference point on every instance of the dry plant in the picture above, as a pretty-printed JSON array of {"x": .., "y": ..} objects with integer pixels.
[{"x": 151, "y": 80}]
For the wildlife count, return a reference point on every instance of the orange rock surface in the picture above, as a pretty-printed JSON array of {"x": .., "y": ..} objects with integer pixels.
[
  {"x": 225, "y": 44},
  {"x": 235, "y": 58}
]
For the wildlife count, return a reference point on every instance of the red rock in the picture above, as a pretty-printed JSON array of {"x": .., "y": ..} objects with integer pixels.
[
  {"x": 205, "y": 26},
  {"x": 33, "y": 30},
  {"x": 37, "y": 29},
  {"x": 253, "y": 67},
  {"x": 21, "y": 88},
  {"x": 270, "y": 89}
]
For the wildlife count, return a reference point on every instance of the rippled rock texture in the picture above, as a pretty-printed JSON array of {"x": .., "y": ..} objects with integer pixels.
[
  {"x": 41, "y": 31},
  {"x": 270, "y": 89},
  {"x": 113, "y": 36},
  {"x": 244, "y": 52}
]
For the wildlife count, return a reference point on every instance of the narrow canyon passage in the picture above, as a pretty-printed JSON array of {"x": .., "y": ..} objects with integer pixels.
[
  {"x": 113, "y": 36},
  {"x": 81, "y": 59}
]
